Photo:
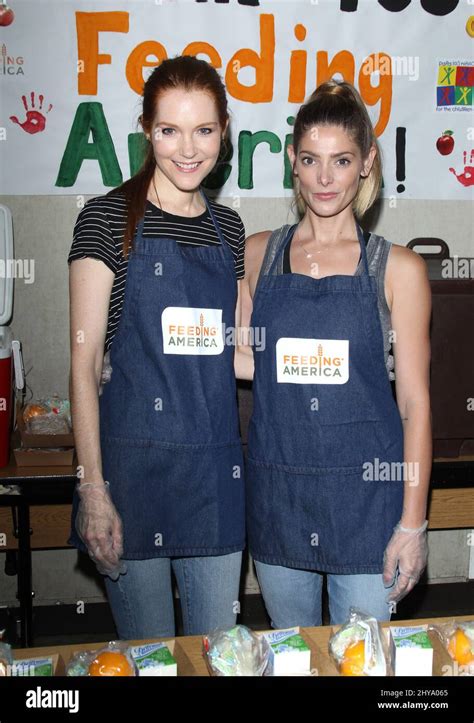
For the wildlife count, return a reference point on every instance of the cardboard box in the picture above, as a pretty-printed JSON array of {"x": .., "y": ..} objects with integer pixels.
[
  {"x": 41, "y": 440},
  {"x": 44, "y": 457},
  {"x": 184, "y": 665},
  {"x": 187, "y": 651},
  {"x": 301, "y": 668}
]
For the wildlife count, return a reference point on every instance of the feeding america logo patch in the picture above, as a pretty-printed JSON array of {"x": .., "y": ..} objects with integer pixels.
[
  {"x": 188, "y": 330},
  {"x": 312, "y": 361}
]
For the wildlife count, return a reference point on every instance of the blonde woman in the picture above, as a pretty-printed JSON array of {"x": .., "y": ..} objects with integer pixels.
[{"x": 337, "y": 471}]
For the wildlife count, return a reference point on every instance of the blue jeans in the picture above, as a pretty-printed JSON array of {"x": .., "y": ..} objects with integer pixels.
[
  {"x": 142, "y": 599},
  {"x": 294, "y": 597}
]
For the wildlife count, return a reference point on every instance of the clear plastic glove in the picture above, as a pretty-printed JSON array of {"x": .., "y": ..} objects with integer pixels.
[
  {"x": 106, "y": 373},
  {"x": 407, "y": 552},
  {"x": 99, "y": 526}
]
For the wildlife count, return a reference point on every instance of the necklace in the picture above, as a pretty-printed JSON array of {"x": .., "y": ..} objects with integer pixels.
[
  {"x": 308, "y": 255},
  {"x": 154, "y": 186},
  {"x": 159, "y": 202}
]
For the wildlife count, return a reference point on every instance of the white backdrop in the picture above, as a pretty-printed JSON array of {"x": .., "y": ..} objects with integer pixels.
[{"x": 428, "y": 91}]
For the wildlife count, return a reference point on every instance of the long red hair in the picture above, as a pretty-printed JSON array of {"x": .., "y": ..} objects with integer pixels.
[{"x": 189, "y": 73}]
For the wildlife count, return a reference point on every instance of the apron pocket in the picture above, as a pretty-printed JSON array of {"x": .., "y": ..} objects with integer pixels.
[
  {"x": 331, "y": 521},
  {"x": 354, "y": 444},
  {"x": 176, "y": 499}
]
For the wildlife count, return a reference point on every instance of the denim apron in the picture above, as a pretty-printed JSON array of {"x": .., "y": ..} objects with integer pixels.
[
  {"x": 325, "y": 443},
  {"x": 169, "y": 427}
]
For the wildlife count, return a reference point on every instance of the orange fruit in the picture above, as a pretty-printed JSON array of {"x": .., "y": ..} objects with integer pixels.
[
  {"x": 459, "y": 647},
  {"x": 111, "y": 662},
  {"x": 33, "y": 410},
  {"x": 354, "y": 659}
]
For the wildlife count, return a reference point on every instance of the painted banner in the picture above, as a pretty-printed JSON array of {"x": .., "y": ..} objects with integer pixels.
[{"x": 72, "y": 72}]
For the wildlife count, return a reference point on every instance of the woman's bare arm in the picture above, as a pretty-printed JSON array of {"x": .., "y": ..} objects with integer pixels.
[
  {"x": 243, "y": 359},
  {"x": 90, "y": 286},
  {"x": 410, "y": 301},
  {"x": 255, "y": 246}
]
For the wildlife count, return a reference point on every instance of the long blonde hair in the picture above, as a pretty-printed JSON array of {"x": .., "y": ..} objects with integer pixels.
[{"x": 338, "y": 103}]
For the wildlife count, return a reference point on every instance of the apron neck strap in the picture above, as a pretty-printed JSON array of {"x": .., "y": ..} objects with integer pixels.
[
  {"x": 291, "y": 231},
  {"x": 140, "y": 227},
  {"x": 214, "y": 219},
  {"x": 363, "y": 249},
  {"x": 289, "y": 234}
]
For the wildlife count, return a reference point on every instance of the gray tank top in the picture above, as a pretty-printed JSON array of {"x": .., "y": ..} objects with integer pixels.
[{"x": 378, "y": 249}]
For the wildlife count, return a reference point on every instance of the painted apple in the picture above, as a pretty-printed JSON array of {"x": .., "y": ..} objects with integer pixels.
[
  {"x": 445, "y": 143},
  {"x": 6, "y": 15}
]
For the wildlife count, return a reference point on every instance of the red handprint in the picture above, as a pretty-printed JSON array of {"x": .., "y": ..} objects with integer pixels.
[
  {"x": 35, "y": 121},
  {"x": 467, "y": 177}
]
